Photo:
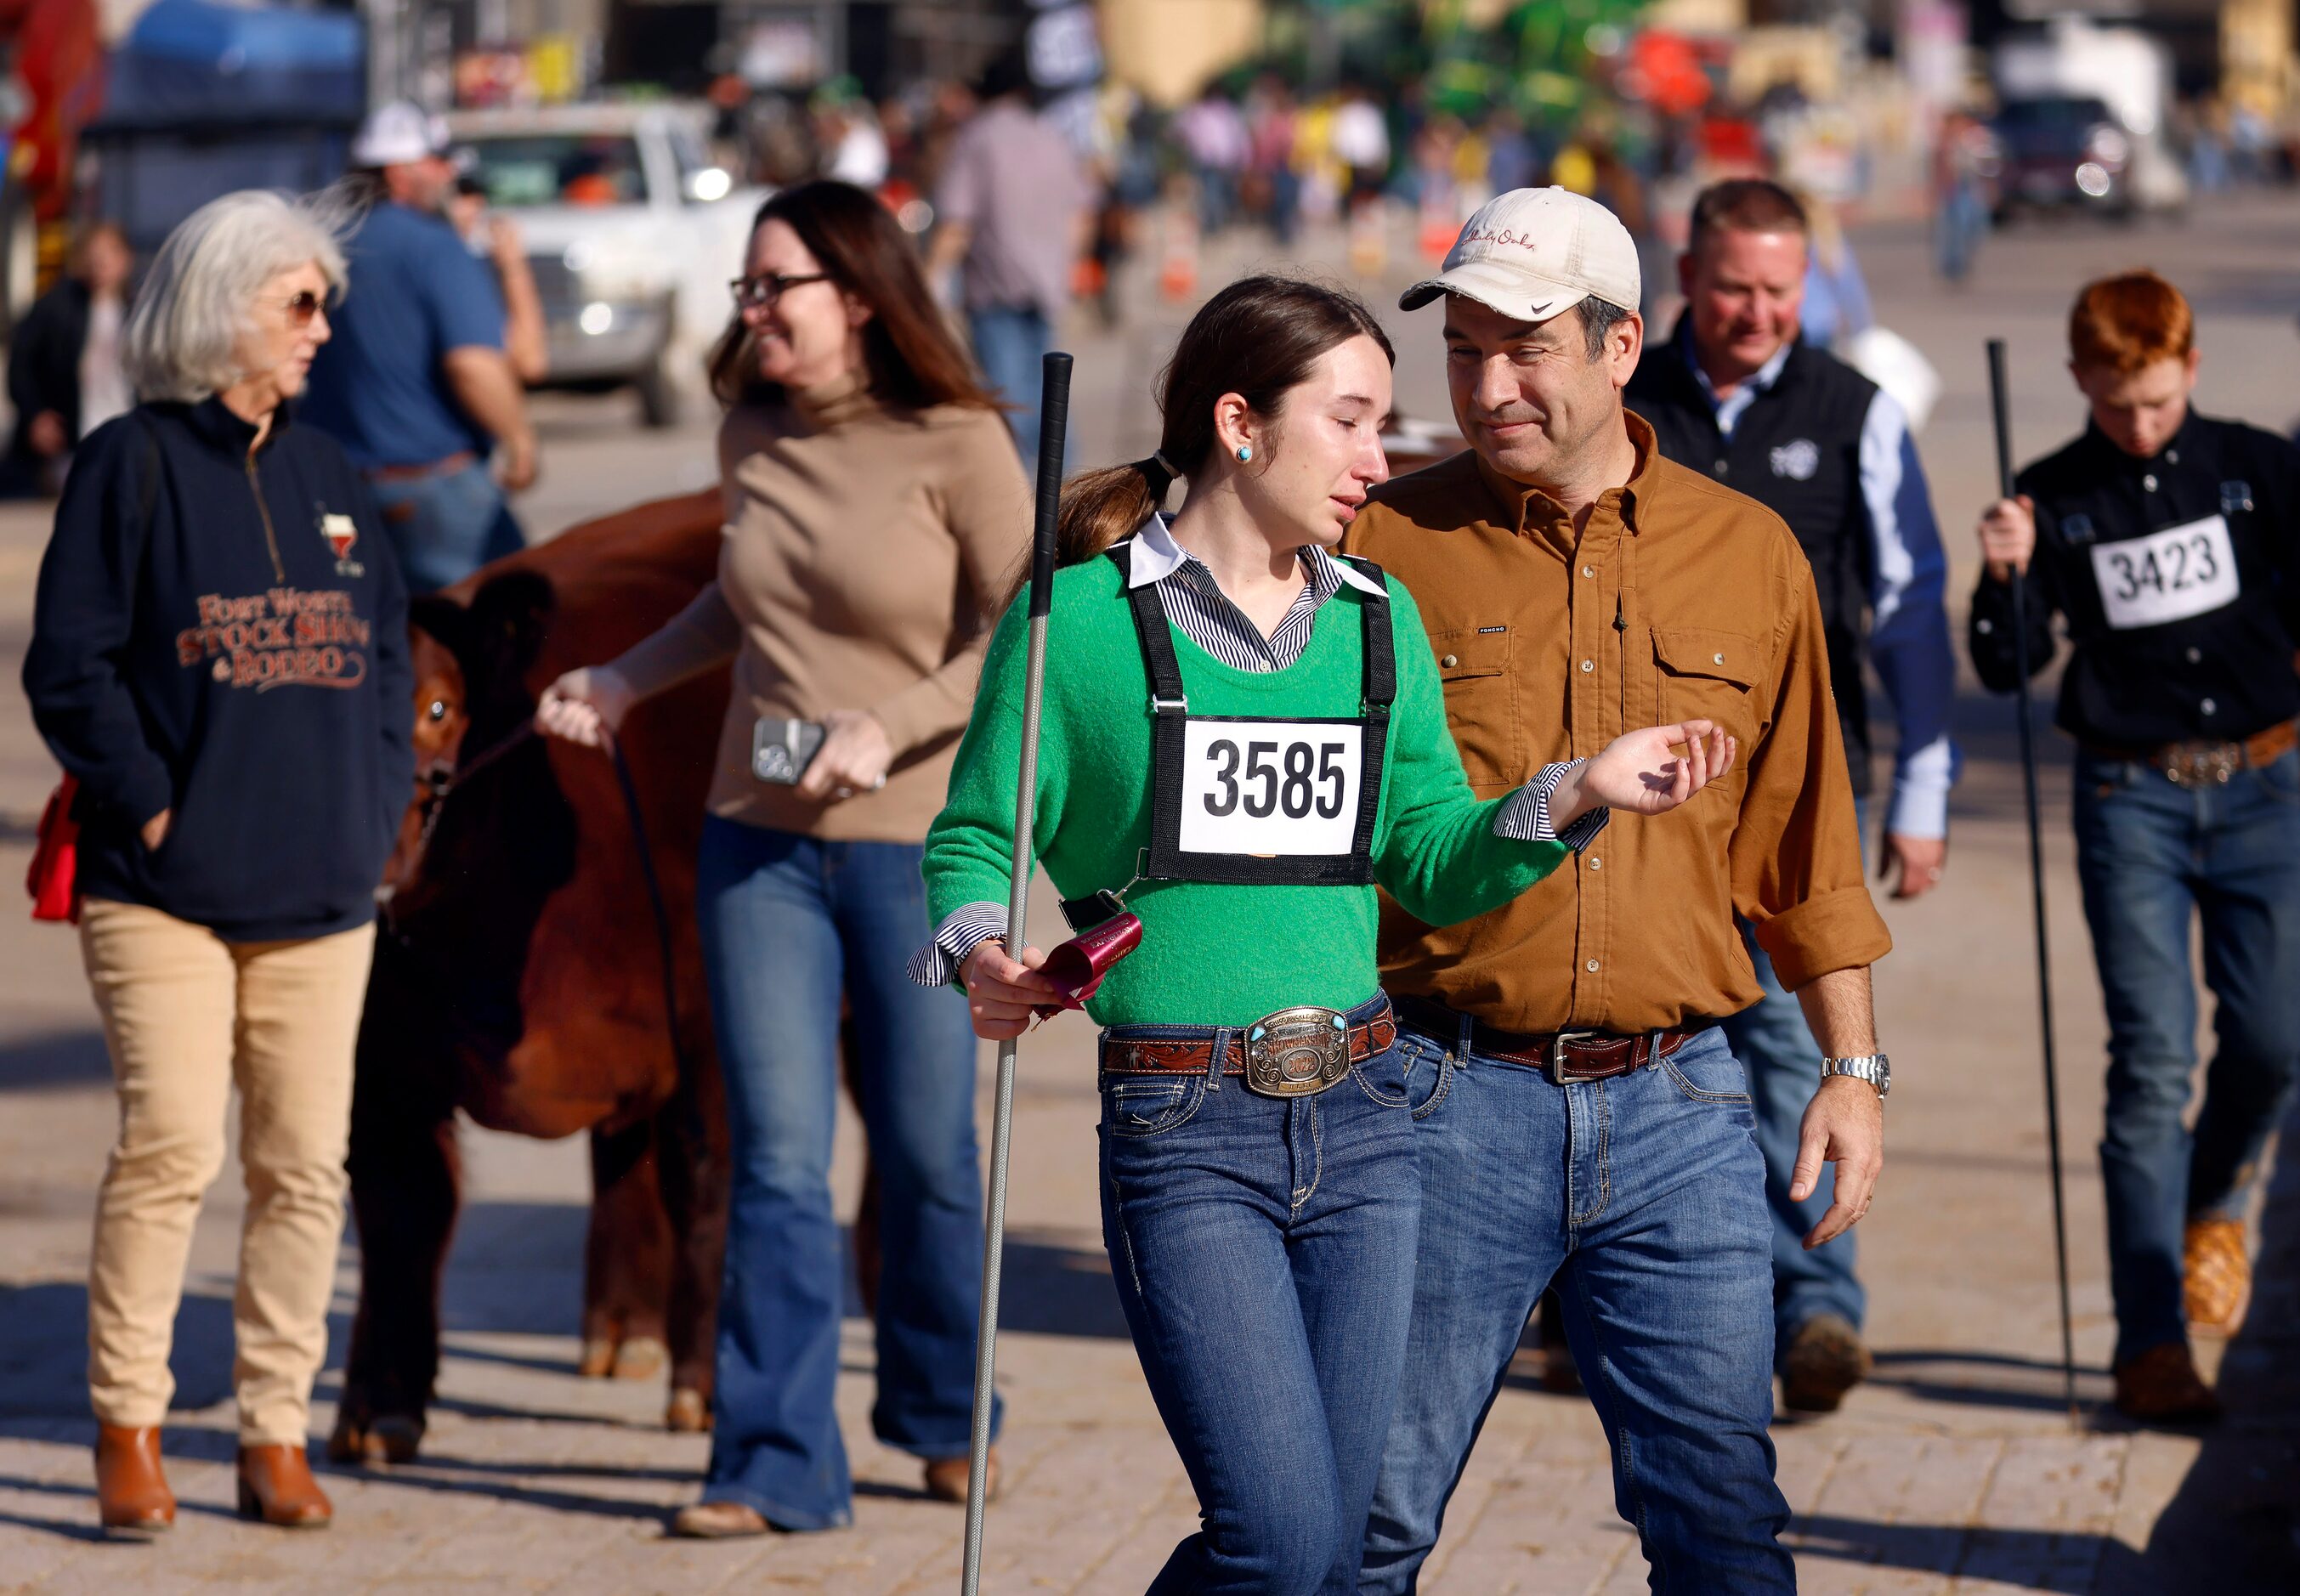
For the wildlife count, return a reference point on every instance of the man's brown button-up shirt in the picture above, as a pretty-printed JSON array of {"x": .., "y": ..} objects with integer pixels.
[{"x": 1678, "y": 598}]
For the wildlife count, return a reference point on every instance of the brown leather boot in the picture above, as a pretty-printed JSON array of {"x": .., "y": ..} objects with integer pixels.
[
  {"x": 1825, "y": 1359},
  {"x": 2160, "y": 1386},
  {"x": 132, "y": 1498},
  {"x": 948, "y": 1478},
  {"x": 276, "y": 1485},
  {"x": 2216, "y": 1275},
  {"x": 718, "y": 1521}
]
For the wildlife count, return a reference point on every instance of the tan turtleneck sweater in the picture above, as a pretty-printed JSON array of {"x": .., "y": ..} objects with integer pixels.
[{"x": 865, "y": 548}]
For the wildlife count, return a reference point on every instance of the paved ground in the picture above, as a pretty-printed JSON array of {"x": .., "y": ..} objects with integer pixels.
[{"x": 1956, "y": 1469}]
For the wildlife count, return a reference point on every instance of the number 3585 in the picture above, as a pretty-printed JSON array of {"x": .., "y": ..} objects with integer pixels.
[{"x": 1291, "y": 777}]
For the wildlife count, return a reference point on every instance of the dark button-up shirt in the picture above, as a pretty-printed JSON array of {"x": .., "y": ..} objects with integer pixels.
[{"x": 2178, "y": 578}]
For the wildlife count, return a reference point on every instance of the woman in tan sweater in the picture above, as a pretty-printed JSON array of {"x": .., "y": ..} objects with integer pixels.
[{"x": 876, "y": 514}]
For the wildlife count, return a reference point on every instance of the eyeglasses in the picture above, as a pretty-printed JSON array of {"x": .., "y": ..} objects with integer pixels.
[
  {"x": 757, "y": 293},
  {"x": 302, "y": 307}
]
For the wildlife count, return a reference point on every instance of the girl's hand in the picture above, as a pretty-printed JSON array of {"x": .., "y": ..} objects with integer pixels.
[
  {"x": 586, "y": 705},
  {"x": 853, "y": 758},
  {"x": 1000, "y": 993},
  {"x": 1639, "y": 772}
]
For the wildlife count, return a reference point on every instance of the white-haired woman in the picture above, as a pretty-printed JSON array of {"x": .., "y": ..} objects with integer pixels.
[{"x": 219, "y": 657}]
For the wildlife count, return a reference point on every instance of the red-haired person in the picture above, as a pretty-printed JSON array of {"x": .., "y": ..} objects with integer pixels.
[
  {"x": 2165, "y": 540},
  {"x": 876, "y": 513}
]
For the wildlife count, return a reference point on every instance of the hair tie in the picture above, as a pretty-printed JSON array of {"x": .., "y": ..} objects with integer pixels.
[{"x": 1158, "y": 459}]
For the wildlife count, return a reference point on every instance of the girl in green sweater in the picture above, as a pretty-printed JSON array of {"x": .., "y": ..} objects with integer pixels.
[{"x": 1243, "y": 735}]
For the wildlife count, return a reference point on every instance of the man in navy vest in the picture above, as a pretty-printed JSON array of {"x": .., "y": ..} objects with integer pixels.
[{"x": 1735, "y": 394}]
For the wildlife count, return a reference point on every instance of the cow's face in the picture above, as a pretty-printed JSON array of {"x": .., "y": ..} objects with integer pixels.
[{"x": 442, "y": 717}]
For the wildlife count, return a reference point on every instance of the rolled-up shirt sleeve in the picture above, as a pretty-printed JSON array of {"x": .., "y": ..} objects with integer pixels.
[
  {"x": 962, "y": 930},
  {"x": 1795, "y": 853}
]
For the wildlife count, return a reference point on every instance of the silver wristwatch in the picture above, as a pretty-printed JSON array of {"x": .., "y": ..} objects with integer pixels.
[{"x": 1875, "y": 1068}]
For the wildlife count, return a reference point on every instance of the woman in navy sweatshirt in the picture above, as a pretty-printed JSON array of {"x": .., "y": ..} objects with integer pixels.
[{"x": 220, "y": 656}]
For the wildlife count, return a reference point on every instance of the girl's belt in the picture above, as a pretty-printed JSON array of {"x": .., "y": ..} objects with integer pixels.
[{"x": 1291, "y": 1053}]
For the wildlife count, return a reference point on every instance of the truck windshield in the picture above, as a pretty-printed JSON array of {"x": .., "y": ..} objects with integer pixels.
[{"x": 558, "y": 168}]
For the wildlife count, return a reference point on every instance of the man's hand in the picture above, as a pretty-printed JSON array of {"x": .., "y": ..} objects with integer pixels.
[
  {"x": 1000, "y": 993},
  {"x": 516, "y": 463},
  {"x": 45, "y": 433},
  {"x": 2008, "y": 536},
  {"x": 1918, "y": 861},
  {"x": 853, "y": 758},
  {"x": 1845, "y": 1125}
]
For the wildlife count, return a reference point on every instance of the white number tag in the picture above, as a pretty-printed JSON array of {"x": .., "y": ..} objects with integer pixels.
[
  {"x": 1270, "y": 787},
  {"x": 2166, "y": 576}
]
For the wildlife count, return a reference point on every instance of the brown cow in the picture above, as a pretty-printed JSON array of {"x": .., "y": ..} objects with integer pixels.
[{"x": 522, "y": 973}]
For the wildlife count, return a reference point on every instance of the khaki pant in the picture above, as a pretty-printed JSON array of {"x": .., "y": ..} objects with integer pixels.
[{"x": 186, "y": 1016}]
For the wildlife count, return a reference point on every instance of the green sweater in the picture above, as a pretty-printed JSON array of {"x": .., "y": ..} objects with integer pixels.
[{"x": 1213, "y": 955}]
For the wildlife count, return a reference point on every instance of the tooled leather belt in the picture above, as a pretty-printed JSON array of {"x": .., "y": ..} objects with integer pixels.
[
  {"x": 2203, "y": 762},
  {"x": 1126, "y": 1055},
  {"x": 1565, "y": 1057}
]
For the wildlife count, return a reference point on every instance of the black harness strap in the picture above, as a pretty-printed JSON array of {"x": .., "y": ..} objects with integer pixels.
[{"x": 1169, "y": 709}]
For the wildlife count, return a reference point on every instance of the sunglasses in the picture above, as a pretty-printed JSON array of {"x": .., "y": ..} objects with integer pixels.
[
  {"x": 302, "y": 307},
  {"x": 756, "y": 293}
]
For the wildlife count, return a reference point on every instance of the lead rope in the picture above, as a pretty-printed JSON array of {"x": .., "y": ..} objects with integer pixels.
[{"x": 655, "y": 902}]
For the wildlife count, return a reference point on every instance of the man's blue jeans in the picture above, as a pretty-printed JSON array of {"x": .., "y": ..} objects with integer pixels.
[
  {"x": 1644, "y": 1197},
  {"x": 1774, "y": 1044},
  {"x": 1263, "y": 1251},
  {"x": 444, "y": 528},
  {"x": 1010, "y": 346},
  {"x": 2153, "y": 857},
  {"x": 788, "y": 921}
]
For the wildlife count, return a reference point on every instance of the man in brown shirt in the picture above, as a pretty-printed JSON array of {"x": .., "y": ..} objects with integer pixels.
[{"x": 1584, "y": 1119}]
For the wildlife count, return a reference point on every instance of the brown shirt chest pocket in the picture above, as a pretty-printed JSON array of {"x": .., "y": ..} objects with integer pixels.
[
  {"x": 1474, "y": 666},
  {"x": 1707, "y": 675}
]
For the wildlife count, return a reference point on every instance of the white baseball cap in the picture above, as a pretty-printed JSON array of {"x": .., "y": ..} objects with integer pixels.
[
  {"x": 1536, "y": 252},
  {"x": 396, "y": 133}
]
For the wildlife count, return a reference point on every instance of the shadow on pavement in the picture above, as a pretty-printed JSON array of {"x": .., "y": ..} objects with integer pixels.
[
  {"x": 55, "y": 1058},
  {"x": 2235, "y": 1524}
]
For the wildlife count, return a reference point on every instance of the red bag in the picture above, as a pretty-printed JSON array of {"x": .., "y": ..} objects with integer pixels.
[{"x": 53, "y": 878}]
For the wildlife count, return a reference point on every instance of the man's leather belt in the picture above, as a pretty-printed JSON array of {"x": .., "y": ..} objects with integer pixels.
[
  {"x": 2202, "y": 762},
  {"x": 1127, "y": 1055},
  {"x": 1565, "y": 1057},
  {"x": 419, "y": 473}
]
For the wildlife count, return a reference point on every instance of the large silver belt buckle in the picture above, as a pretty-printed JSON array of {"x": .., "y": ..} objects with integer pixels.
[
  {"x": 1296, "y": 1052},
  {"x": 2193, "y": 765}
]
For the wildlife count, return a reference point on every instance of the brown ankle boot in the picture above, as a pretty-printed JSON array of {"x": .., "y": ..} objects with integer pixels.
[
  {"x": 132, "y": 1497},
  {"x": 2160, "y": 1386},
  {"x": 276, "y": 1485},
  {"x": 948, "y": 1478}
]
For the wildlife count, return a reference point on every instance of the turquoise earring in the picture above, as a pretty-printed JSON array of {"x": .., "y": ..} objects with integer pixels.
[{"x": 1244, "y": 452}]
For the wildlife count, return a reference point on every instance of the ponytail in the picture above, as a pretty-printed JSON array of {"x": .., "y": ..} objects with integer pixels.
[{"x": 1101, "y": 507}]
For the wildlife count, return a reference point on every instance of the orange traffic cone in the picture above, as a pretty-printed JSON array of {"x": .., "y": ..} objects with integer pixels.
[{"x": 1178, "y": 264}]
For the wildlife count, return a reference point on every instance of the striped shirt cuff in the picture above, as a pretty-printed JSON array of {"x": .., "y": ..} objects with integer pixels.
[
  {"x": 962, "y": 930},
  {"x": 1525, "y": 817}
]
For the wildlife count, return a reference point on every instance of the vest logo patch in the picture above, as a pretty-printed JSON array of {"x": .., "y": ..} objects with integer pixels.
[
  {"x": 1797, "y": 460},
  {"x": 341, "y": 532},
  {"x": 2078, "y": 528},
  {"x": 2234, "y": 496}
]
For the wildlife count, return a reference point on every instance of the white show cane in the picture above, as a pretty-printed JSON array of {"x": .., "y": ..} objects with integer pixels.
[{"x": 1053, "y": 418}]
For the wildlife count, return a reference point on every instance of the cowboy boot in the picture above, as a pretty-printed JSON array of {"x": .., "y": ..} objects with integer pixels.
[
  {"x": 276, "y": 1485},
  {"x": 132, "y": 1498},
  {"x": 2216, "y": 1275},
  {"x": 948, "y": 1478}
]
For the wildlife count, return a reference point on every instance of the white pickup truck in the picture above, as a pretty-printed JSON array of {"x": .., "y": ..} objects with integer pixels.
[{"x": 632, "y": 235}]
